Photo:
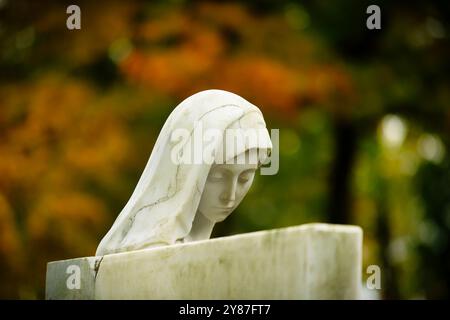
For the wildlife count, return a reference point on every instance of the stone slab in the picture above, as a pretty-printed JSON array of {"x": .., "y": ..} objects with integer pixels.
[{"x": 312, "y": 261}]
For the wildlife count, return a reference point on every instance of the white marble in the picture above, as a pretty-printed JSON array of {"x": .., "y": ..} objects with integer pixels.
[
  {"x": 313, "y": 261},
  {"x": 189, "y": 183},
  {"x": 60, "y": 274}
]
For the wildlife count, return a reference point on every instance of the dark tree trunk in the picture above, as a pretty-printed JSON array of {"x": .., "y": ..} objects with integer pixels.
[
  {"x": 339, "y": 205},
  {"x": 388, "y": 271}
]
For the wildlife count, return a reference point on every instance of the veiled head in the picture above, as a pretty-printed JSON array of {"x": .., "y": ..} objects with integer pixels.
[{"x": 172, "y": 194}]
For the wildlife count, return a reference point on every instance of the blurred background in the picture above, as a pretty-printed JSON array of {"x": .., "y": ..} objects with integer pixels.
[{"x": 364, "y": 119}]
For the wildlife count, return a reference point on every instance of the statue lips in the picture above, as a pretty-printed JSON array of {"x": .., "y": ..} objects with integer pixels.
[{"x": 224, "y": 208}]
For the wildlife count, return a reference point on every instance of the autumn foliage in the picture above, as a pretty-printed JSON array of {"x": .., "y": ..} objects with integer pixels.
[{"x": 80, "y": 111}]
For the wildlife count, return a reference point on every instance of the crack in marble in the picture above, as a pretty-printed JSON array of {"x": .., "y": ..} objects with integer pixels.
[{"x": 97, "y": 267}]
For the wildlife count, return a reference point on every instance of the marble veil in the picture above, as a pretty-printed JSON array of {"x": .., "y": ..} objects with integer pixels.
[{"x": 164, "y": 203}]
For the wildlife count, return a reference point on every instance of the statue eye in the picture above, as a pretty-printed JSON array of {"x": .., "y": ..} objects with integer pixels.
[
  {"x": 216, "y": 175},
  {"x": 243, "y": 179},
  {"x": 245, "y": 176}
]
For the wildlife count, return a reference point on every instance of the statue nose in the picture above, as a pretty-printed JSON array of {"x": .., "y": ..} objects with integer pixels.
[{"x": 229, "y": 196}]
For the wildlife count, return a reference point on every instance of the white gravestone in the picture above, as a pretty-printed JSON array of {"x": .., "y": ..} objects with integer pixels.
[
  {"x": 201, "y": 167},
  {"x": 312, "y": 261}
]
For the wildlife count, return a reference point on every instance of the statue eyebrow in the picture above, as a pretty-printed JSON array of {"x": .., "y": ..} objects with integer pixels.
[
  {"x": 230, "y": 172},
  {"x": 218, "y": 168},
  {"x": 248, "y": 170}
]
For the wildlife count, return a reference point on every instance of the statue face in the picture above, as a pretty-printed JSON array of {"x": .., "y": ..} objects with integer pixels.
[{"x": 225, "y": 187}]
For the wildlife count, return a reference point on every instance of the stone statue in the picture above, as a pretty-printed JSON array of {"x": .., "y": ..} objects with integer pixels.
[{"x": 197, "y": 173}]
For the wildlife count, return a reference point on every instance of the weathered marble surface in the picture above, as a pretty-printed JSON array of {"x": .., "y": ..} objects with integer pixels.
[
  {"x": 312, "y": 261},
  {"x": 58, "y": 273},
  {"x": 180, "y": 201}
]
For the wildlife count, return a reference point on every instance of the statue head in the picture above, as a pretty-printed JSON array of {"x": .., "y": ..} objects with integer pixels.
[{"x": 201, "y": 167}]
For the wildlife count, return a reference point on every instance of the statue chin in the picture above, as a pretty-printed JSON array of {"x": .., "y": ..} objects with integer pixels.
[{"x": 219, "y": 217}]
